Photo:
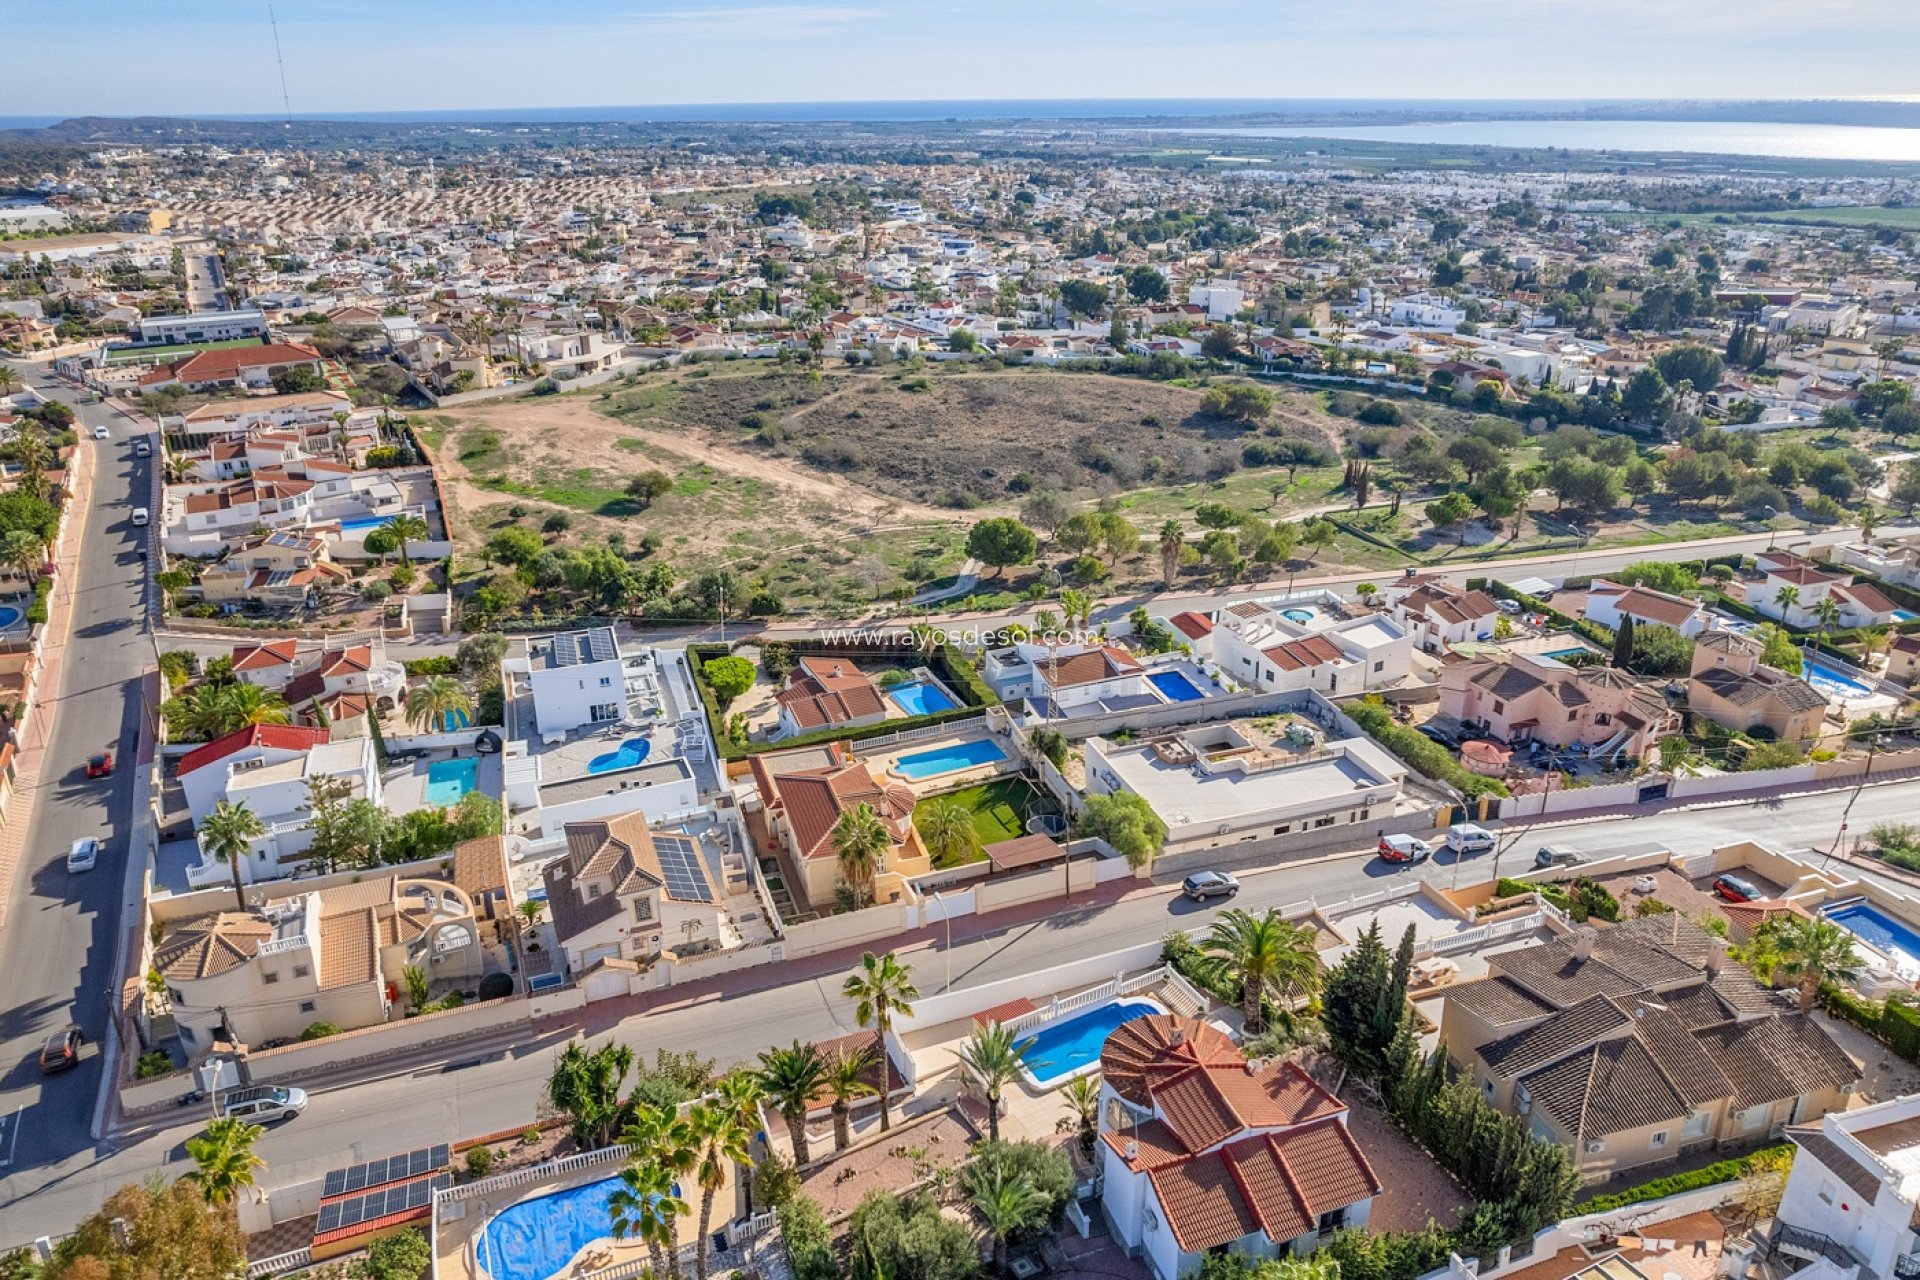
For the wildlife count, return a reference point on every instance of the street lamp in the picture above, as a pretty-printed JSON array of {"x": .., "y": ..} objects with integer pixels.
[{"x": 1772, "y": 530}]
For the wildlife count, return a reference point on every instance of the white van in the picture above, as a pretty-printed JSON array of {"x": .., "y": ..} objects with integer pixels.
[
  {"x": 1465, "y": 837},
  {"x": 140, "y": 515},
  {"x": 261, "y": 1103}
]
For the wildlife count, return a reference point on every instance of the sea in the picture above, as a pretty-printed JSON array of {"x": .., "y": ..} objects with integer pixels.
[{"x": 1707, "y": 137}]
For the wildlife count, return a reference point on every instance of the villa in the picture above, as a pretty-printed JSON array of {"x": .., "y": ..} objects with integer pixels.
[
  {"x": 1439, "y": 615},
  {"x": 801, "y": 793},
  {"x": 1521, "y": 697},
  {"x": 1851, "y": 1200},
  {"x": 268, "y": 768},
  {"x": 1204, "y": 1152},
  {"x": 1730, "y": 686},
  {"x": 827, "y": 693},
  {"x": 622, "y": 891},
  {"x": 1791, "y": 590},
  {"x": 1286, "y": 644},
  {"x": 1609, "y": 603}
]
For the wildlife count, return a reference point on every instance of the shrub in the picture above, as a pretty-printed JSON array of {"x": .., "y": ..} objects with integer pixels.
[
  {"x": 400, "y": 1257},
  {"x": 376, "y": 590},
  {"x": 803, "y": 1228},
  {"x": 730, "y": 676},
  {"x": 1674, "y": 1183},
  {"x": 479, "y": 1161},
  {"x": 154, "y": 1062},
  {"x": 1422, "y": 754},
  {"x": 320, "y": 1031}
]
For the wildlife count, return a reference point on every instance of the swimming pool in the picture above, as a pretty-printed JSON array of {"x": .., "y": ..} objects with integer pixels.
[
  {"x": 1300, "y": 615},
  {"x": 1561, "y": 655},
  {"x": 1175, "y": 686},
  {"x": 1905, "y": 615},
  {"x": 358, "y": 523},
  {"x": 949, "y": 759},
  {"x": 450, "y": 780},
  {"x": 1834, "y": 683},
  {"x": 1894, "y": 939},
  {"x": 452, "y": 719},
  {"x": 8, "y": 616},
  {"x": 537, "y": 1238},
  {"x": 920, "y": 698},
  {"x": 630, "y": 753},
  {"x": 1066, "y": 1049}
]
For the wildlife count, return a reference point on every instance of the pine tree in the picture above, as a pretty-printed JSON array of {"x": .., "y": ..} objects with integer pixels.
[{"x": 1623, "y": 642}]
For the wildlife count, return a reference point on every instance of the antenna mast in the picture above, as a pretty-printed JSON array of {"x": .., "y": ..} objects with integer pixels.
[{"x": 279, "y": 58}]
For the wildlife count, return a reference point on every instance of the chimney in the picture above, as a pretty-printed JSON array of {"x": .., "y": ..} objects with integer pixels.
[
  {"x": 1583, "y": 945},
  {"x": 1716, "y": 956},
  {"x": 1179, "y": 1034}
]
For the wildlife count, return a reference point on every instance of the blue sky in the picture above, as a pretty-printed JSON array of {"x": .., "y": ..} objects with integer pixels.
[{"x": 118, "y": 57}]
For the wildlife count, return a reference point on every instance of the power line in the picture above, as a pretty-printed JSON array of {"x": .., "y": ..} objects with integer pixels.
[{"x": 281, "y": 61}]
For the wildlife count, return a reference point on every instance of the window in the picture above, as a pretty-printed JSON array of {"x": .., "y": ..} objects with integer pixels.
[
  {"x": 1280, "y": 831},
  {"x": 1658, "y": 1140},
  {"x": 1826, "y": 1192},
  {"x": 1380, "y": 665},
  {"x": 1499, "y": 708},
  {"x": 1572, "y": 716},
  {"x": 173, "y": 994},
  {"x": 593, "y": 891},
  {"x": 605, "y": 681},
  {"x": 1603, "y": 718},
  {"x": 306, "y": 1006},
  {"x": 604, "y": 711},
  {"x": 301, "y": 971},
  {"x": 269, "y": 977},
  {"x": 1322, "y": 822},
  {"x": 186, "y": 1034},
  {"x": 643, "y": 909}
]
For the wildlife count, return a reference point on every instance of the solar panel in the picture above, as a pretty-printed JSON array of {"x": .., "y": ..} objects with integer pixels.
[
  {"x": 401, "y": 1197},
  {"x": 680, "y": 864},
  {"x": 377, "y": 1173},
  {"x": 600, "y": 645}
]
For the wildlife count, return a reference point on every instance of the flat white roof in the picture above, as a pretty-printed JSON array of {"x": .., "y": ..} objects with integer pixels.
[{"x": 1184, "y": 798}]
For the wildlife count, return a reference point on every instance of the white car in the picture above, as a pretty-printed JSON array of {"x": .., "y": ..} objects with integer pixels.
[
  {"x": 101, "y": 433},
  {"x": 84, "y": 853}
]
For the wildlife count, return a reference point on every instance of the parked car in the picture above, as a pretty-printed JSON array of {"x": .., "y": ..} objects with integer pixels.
[
  {"x": 261, "y": 1104},
  {"x": 1467, "y": 837},
  {"x": 142, "y": 449},
  {"x": 1202, "y": 885},
  {"x": 1405, "y": 849},
  {"x": 100, "y": 764},
  {"x": 83, "y": 854},
  {"x": 101, "y": 433},
  {"x": 1557, "y": 855},
  {"x": 1435, "y": 733},
  {"x": 1737, "y": 888},
  {"x": 62, "y": 1050},
  {"x": 1508, "y": 606}
]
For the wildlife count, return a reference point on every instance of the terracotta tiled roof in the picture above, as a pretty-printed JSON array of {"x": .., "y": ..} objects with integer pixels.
[
  {"x": 815, "y": 799},
  {"x": 1611, "y": 1086},
  {"x": 347, "y": 949},
  {"x": 283, "y": 737},
  {"x": 1656, "y": 606},
  {"x": 1812, "y": 1139},
  {"x": 1498, "y": 1001},
  {"x": 1276, "y": 1183},
  {"x": 262, "y": 657},
  {"x": 209, "y": 945},
  {"x": 1086, "y": 668},
  {"x": 1193, "y": 626},
  {"x": 347, "y": 661},
  {"x": 1294, "y": 655}
]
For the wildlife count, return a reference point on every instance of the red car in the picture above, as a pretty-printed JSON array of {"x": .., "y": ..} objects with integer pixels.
[
  {"x": 1735, "y": 889},
  {"x": 101, "y": 765}
]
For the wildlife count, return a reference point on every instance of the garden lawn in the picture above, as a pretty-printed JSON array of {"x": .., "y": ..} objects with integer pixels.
[{"x": 998, "y": 807}]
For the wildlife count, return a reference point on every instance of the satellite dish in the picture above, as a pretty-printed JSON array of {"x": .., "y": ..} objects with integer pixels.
[{"x": 1115, "y": 1116}]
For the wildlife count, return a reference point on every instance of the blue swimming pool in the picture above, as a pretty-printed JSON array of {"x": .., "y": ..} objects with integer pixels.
[
  {"x": 537, "y": 1238},
  {"x": 1898, "y": 941},
  {"x": 1068, "y": 1048},
  {"x": 630, "y": 753},
  {"x": 949, "y": 759},
  {"x": 1302, "y": 616},
  {"x": 1175, "y": 686},
  {"x": 358, "y": 523},
  {"x": 8, "y": 616},
  {"x": 1832, "y": 682},
  {"x": 1561, "y": 655},
  {"x": 1905, "y": 615},
  {"x": 450, "y": 780},
  {"x": 452, "y": 720},
  {"x": 920, "y": 698}
]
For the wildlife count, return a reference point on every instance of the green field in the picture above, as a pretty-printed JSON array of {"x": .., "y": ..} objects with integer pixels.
[
  {"x": 141, "y": 355},
  {"x": 999, "y": 808}
]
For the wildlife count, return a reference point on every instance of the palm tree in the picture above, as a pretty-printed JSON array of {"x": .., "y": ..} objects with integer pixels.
[
  {"x": 645, "y": 1205},
  {"x": 1078, "y": 606},
  {"x": 882, "y": 986},
  {"x": 719, "y": 1144},
  {"x": 739, "y": 1091},
  {"x": 227, "y": 833},
  {"x": 1826, "y": 611},
  {"x": 1173, "y": 539},
  {"x": 1082, "y": 1096},
  {"x": 1813, "y": 952},
  {"x": 1268, "y": 955},
  {"x": 586, "y": 1085},
  {"x": 860, "y": 841},
  {"x": 992, "y": 1057},
  {"x": 791, "y": 1078},
  {"x": 438, "y": 703},
  {"x": 214, "y": 711},
  {"x": 1785, "y": 599},
  {"x": 8, "y": 380},
  {"x": 946, "y": 828},
  {"x": 1006, "y": 1202},
  {"x": 847, "y": 1080},
  {"x": 405, "y": 528},
  {"x": 22, "y": 551},
  {"x": 224, "y": 1160}
]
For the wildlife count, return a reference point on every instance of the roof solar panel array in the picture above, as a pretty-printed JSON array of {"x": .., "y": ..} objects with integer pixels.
[
  {"x": 401, "y": 1197},
  {"x": 680, "y": 864},
  {"x": 377, "y": 1173}
]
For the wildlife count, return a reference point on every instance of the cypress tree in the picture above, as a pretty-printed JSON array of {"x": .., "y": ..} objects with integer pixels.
[{"x": 1623, "y": 642}]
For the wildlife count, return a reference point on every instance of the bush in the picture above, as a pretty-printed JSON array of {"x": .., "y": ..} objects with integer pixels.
[
  {"x": 154, "y": 1062},
  {"x": 479, "y": 1161},
  {"x": 803, "y": 1228},
  {"x": 442, "y": 665},
  {"x": 1674, "y": 1183},
  {"x": 401, "y": 1257},
  {"x": 320, "y": 1031},
  {"x": 378, "y": 589},
  {"x": 729, "y": 677},
  {"x": 1419, "y": 753}
]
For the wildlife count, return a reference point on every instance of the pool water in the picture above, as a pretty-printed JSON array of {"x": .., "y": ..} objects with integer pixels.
[
  {"x": 452, "y": 720},
  {"x": 1175, "y": 686},
  {"x": 363, "y": 522},
  {"x": 630, "y": 753},
  {"x": 1067, "y": 1048},
  {"x": 1835, "y": 683},
  {"x": 8, "y": 616},
  {"x": 920, "y": 698},
  {"x": 1898, "y": 941},
  {"x": 950, "y": 759},
  {"x": 1302, "y": 616},
  {"x": 450, "y": 780},
  {"x": 537, "y": 1238},
  {"x": 1561, "y": 655}
]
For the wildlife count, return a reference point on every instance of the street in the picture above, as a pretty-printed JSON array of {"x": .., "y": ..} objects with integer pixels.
[
  {"x": 61, "y": 933},
  {"x": 420, "y": 1105}
]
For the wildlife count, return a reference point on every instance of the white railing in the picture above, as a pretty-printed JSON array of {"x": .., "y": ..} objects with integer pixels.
[
  {"x": 279, "y": 1262},
  {"x": 298, "y": 942},
  {"x": 1058, "y": 1008},
  {"x": 1183, "y": 995},
  {"x": 738, "y": 1233},
  {"x": 534, "y": 1173}
]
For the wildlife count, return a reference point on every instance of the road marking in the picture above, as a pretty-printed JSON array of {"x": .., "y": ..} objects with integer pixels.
[{"x": 12, "y": 1126}]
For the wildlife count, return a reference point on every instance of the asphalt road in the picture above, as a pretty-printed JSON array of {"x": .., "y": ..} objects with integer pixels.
[
  {"x": 498, "y": 1091},
  {"x": 205, "y": 289},
  {"x": 58, "y": 944}
]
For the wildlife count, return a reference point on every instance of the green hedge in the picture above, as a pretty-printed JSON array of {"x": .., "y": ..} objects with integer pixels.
[
  {"x": 947, "y": 661},
  {"x": 1674, "y": 1183},
  {"x": 1895, "y": 1025},
  {"x": 37, "y": 611},
  {"x": 1602, "y": 636},
  {"x": 443, "y": 665},
  {"x": 1420, "y": 753}
]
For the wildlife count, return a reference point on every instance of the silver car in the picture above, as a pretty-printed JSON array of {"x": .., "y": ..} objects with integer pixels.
[{"x": 1202, "y": 885}]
